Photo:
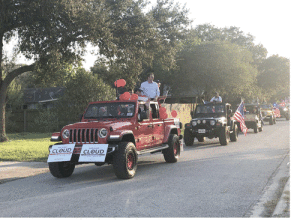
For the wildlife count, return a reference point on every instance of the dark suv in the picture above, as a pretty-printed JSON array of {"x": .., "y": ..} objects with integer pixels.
[
  {"x": 115, "y": 132},
  {"x": 211, "y": 120}
]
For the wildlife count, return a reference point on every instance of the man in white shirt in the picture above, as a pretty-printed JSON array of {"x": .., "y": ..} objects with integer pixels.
[
  {"x": 216, "y": 98},
  {"x": 150, "y": 88}
]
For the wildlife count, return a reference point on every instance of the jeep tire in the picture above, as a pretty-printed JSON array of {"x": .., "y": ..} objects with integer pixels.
[
  {"x": 235, "y": 133},
  {"x": 255, "y": 128},
  {"x": 172, "y": 153},
  {"x": 224, "y": 136},
  {"x": 271, "y": 121},
  {"x": 261, "y": 128},
  {"x": 188, "y": 138},
  {"x": 125, "y": 160},
  {"x": 61, "y": 169},
  {"x": 200, "y": 138},
  {"x": 99, "y": 164}
]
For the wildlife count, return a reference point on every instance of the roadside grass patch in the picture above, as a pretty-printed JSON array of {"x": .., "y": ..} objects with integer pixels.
[
  {"x": 271, "y": 205},
  {"x": 25, "y": 147}
]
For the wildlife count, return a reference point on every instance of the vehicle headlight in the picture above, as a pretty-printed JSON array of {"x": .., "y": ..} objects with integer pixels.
[
  {"x": 66, "y": 134},
  {"x": 102, "y": 133},
  {"x": 194, "y": 123},
  {"x": 199, "y": 121},
  {"x": 204, "y": 121},
  {"x": 212, "y": 122}
]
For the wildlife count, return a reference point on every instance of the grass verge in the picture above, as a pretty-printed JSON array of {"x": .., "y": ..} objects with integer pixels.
[{"x": 25, "y": 147}]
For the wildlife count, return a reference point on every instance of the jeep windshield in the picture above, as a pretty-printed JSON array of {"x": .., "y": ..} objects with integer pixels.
[
  {"x": 110, "y": 110},
  {"x": 210, "y": 110},
  {"x": 266, "y": 106},
  {"x": 251, "y": 109}
]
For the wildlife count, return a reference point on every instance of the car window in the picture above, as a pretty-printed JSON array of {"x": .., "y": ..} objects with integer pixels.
[
  {"x": 210, "y": 109},
  {"x": 110, "y": 110}
]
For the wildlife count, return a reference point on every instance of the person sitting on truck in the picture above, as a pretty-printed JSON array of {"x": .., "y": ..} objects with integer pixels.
[
  {"x": 140, "y": 96},
  {"x": 217, "y": 98}
]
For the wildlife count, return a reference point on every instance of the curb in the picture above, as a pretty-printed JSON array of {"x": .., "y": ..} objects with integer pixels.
[
  {"x": 274, "y": 192},
  {"x": 283, "y": 205}
]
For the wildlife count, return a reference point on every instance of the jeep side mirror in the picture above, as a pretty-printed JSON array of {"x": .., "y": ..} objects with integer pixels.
[{"x": 80, "y": 117}]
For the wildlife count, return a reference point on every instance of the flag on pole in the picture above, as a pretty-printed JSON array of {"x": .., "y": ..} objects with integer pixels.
[{"x": 239, "y": 116}]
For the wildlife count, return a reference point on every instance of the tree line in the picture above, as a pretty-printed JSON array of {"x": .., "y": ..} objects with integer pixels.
[{"x": 131, "y": 40}]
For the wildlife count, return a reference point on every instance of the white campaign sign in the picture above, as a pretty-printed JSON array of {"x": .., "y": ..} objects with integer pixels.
[
  {"x": 60, "y": 153},
  {"x": 93, "y": 153}
]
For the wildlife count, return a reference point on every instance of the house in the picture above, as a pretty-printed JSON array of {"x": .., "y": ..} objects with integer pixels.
[{"x": 34, "y": 97}]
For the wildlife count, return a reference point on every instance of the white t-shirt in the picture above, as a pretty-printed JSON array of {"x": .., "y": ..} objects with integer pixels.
[
  {"x": 150, "y": 89},
  {"x": 217, "y": 99}
]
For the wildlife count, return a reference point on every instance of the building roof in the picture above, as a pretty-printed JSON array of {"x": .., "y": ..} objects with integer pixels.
[{"x": 40, "y": 95}]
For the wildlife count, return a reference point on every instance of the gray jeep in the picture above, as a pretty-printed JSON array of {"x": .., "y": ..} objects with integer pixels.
[{"x": 211, "y": 120}]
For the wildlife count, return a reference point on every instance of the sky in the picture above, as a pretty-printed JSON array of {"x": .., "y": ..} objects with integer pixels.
[{"x": 269, "y": 21}]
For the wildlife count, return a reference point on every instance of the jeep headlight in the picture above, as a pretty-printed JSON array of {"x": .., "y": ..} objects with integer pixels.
[
  {"x": 66, "y": 134},
  {"x": 204, "y": 121},
  {"x": 102, "y": 133},
  {"x": 212, "y": 122},
  {"x": 221, "y": 121},
  {"x": 194, "y": 123}
]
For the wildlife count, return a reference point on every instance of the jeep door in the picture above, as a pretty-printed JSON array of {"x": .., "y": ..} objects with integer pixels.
[
  {"x": 158, "y": 125},
  {"x": 144, "y": 131}
]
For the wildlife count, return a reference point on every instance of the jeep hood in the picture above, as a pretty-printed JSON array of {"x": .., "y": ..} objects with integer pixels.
[{"x": 99, "y": 124}]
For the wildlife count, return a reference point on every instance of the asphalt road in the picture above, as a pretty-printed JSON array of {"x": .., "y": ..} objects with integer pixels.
[{"x": 209, "y": 180}]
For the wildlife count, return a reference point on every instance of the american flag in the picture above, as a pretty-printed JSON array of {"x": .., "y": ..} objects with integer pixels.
[
  {"x": 277, "y": 112},
  {"x": 239, "y": 116}
]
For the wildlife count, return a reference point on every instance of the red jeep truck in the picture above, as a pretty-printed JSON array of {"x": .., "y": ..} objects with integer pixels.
[{"x": 115, "y": 132}]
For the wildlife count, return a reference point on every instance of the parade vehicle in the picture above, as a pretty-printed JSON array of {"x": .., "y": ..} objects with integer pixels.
[
  {"x": 115, "y": 132},
  {"x": 268, "y": 113},
  {"x": 212, "y": 120},
  {"x": 253, "y": 117},
  {"x": 285, "y": 111}
]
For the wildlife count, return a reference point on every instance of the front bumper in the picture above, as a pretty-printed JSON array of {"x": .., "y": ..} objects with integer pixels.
[
  {"x": 205, "y": 131},
  {"x": 78, "y": 149}
]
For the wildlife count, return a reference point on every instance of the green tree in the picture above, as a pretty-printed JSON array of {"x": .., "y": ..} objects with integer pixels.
[
  {"x": 274, "y": 77},
  {"x": 216, "y": 66},
  {"x": 56, "y": 32},
  {"x": 81, "y": 89},
  {"x": 208, "y": 33},
  {"x": 171, "y": 22},
  {"x": 144, "y": 51}
]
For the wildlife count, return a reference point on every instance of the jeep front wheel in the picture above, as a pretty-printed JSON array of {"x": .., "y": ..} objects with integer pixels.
[
  {"x": 61, "y": 169},
  {"x": 271, "y": 121},
  {"x": 125, "y": 160},
  {"x": 188, "y": 138},
  {"x": 255, "y": 128},
  {"x": 200, "y": 138},
  {"x": 224, "y": 136},
  {"x": 172, "y": 153}
]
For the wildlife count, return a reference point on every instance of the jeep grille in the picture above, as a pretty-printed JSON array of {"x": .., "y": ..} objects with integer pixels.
[{"x": 83, "y": 136}]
